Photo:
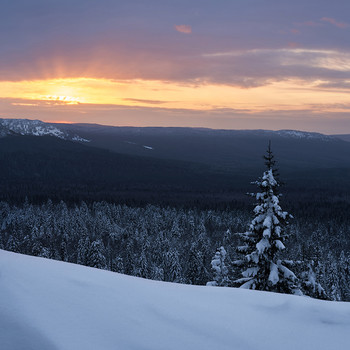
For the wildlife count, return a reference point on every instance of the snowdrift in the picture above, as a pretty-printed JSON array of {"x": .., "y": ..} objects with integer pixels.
[{"x": 50, "y": 305}]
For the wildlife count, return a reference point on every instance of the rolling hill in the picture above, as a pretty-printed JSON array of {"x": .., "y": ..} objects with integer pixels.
[{"x": 162, "y": 165}]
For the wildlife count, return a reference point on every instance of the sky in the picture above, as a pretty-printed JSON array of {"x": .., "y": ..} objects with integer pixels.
[{"x": 239, "y": 64}]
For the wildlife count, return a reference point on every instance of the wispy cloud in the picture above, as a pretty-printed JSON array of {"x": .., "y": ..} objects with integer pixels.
[
  {"x": 337, "y": 84},
  {"x": 257, "y": 67},
  {"x": 183, "y": 28},
  {"x": 333, "y": 118},
  {"x": 321, "y": 22},
  {"x": 308, "y": 24},
  {"x": 335, "y": 22},
  {"x": 140, "y": 100}
]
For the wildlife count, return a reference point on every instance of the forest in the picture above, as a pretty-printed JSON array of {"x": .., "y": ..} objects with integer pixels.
[
  {"x": 171, "y": 244},
  {"x": 164, "y": 219}
]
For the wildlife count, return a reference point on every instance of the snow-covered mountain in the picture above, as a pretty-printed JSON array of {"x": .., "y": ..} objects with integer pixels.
[
  {"x": 35, "y": 128},
  {"x": 304, "y": 135},
  {"x": 226, "y": 149},
  {"x": 51, "y": 305}
]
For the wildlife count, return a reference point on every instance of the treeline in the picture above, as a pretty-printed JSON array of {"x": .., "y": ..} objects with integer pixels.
[{"x": 164, "y": 243}]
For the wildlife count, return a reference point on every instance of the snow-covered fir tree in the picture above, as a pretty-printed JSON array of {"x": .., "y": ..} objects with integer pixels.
[
  {"x": 96, "y": 257},
  {"x": 309, "y": 284},
  {"x": 196, "y": 272},
  {"x": 261, "y": 265},
  {"x": 344, "y": 275},
  {"x": 219, "y": 269}
]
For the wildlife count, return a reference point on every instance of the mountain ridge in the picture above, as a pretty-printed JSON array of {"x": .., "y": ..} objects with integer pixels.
[
  {"x": 226, "y": 149},
  {"x": 166, "y": 165},
  {"x": 35, "y": 128}
]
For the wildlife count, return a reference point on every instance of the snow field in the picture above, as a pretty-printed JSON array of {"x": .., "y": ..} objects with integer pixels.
[{"x": 47, "y": 304}]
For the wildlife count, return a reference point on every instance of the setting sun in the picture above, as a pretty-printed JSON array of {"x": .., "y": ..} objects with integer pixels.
[{"x": 64, "y": 99}]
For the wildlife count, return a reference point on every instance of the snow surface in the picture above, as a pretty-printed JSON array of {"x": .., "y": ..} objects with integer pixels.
[
  {"x": 51, "y": 305},
  {"x": 37, "y": 128},
  {"x": 304, "y": 135}
]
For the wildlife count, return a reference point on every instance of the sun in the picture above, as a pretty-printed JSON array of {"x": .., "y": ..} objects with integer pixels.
[
  {"x": 62, "y": 93},
  {"x": 61, "y": 99}
]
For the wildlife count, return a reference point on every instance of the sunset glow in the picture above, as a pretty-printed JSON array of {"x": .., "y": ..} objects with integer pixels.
[
  {"x": 276, "y": 96},
  {"x": 173, "y": 64}
]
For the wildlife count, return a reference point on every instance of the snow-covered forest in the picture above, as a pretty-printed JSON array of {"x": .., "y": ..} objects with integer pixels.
[{"x": 167, "y": 244}]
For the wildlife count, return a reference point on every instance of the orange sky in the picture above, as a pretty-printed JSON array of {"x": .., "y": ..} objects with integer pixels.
[
  {"x": 277, "y": 96},
  {"x": 273, "y": 65},
  {"x": 285, "y": 95}
]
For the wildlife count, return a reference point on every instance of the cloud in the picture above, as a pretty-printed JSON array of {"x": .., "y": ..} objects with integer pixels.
[
  {"x": 303, "y": 119},
  {"x": 330, "y": 106},
  {"x": 246, "y": 68},
  {"x": 334, "y": 22},
  {"x": 24, "y": 104},
  {"x": 123, "y": 42},
  {"x": 293, "y": 45},
  {"x": 308, "y": 24},
  {"x": 183, "y": 28},
  {"x": 320, "y": 23},
  {"x": 152, "y": 102},
  {"x": 250, "y": 68},
  {"x": 336, "y": 84}
]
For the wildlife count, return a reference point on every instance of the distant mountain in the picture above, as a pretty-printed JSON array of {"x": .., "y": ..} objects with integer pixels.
[
  {"x": 344, "y": 137},
  {"x": 167, "y": 165},
  {"x": 224, "y": 149},
  {"x": 303, "y": 135},
  {"x": 35, "y": 128},
  {"x": 50, "y": 167}
]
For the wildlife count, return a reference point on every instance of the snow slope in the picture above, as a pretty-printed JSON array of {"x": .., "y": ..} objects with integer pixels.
[
  {"x": 35, "y": 128},
  {"x": 304, "y": 135},
  {"x": 50, "y": 305}
]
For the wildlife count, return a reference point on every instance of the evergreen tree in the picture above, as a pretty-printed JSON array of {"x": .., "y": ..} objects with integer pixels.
[
  {"x": 117, "y": 265},
  {"x": 172, "y": 267},
  {"x": 13, "y": 244},
  {"x": 96, "y": 257},
  {"x": 344, "y": 276},
  {"x": 129, "y": 261},
  {"x": 142, "y": 270},
  {"x": 219, "y": 269},
  {"x": 309, "y": 284},
  {"x": 261, "y": 265},
  {"x": 196, "y": 272},
  {"x": 83, "y": 250},
  {"x": 332, "y": 278}
]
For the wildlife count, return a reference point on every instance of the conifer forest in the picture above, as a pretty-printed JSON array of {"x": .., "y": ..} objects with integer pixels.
[{"x": 174, "y": 244}]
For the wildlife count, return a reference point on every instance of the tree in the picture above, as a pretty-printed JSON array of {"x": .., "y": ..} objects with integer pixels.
[
  {"x": 83, "y": 250},
  {"x": 261, "y": 265},
  {"x": 142, "y": 269},
  {"x": 96, "y": 257},
  {"x": 196, "y": 272},
  {"x": 172, "y": 267},
  {"x": 344, "y": 276},
  {"x": 309, "y": 284},
  {"x": 219, "y": 269}
]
